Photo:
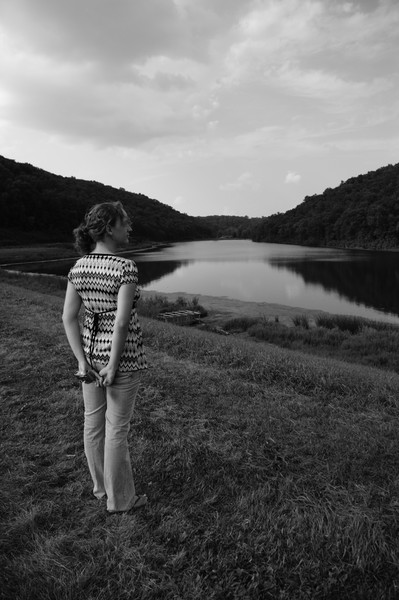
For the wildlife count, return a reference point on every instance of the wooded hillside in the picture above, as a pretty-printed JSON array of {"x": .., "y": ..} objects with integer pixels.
[
  {"x": 38, "y": 206},
  {"x": 362, "y": 212},
  {"x": 230, "y": 226}
]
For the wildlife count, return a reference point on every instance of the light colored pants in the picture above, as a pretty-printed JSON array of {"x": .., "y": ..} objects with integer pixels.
[{"x": 108, "y": 412}]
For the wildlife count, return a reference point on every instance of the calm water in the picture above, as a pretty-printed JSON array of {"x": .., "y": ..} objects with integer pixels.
[{"x": 339, "y": 281}]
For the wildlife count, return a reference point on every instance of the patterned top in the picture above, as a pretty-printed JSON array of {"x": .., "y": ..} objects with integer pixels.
[{"x": 97, "y": 279}]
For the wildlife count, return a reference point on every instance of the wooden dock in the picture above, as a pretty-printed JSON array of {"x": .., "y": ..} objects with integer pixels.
[{"x": 181, "y": 317}]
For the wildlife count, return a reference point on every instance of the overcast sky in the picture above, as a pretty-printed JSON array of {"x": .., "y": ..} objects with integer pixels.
[{"x": 237, "y": 107}]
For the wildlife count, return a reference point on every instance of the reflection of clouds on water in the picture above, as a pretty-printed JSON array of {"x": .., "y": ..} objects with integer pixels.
[
  {"x": 338, "y": 281},
  {"x": 293, "y": 290},
  {"x": 236, "y": 288}
]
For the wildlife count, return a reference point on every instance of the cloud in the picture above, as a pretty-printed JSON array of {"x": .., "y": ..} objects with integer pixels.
[
  {"x": 97, "y": 30},
  {"x": 116, "y": 35},
  {"x": 292, "y": 177},
  {"x": 109, "y": 74},
  {"x": 309, "y": 33},
  {"x": 203, "y": 112},
  {"x": 237, "y": 84},
  {"x": 244, "y": 181},
  {"x": 212, "y": 125},
  {"x": 178, "y": 202},
  {"x": 108, "y": 115},
  {"x": 112, "y": 74},
  {"x": 329, "y": 87}
]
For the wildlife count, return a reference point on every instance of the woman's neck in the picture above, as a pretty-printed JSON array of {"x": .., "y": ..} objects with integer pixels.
[{"x": 104, "y": 247}]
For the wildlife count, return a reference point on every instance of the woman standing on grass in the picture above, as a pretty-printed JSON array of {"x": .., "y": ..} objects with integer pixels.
[{"x": 109, "y": 350}]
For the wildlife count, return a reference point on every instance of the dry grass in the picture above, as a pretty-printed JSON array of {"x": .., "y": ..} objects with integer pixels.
[{"x": 271, "y": 474}]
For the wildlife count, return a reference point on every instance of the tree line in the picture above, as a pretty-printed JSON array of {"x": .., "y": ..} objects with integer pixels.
[
  {"x": 362, "y": 212},
  {"x": 38, "y": 206}
]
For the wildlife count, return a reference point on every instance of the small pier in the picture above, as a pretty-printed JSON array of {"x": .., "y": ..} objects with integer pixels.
[{"x": 180, "y": 317}]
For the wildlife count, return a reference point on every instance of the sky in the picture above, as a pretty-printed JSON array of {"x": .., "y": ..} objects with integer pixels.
[{"x": 235, "y": 107}]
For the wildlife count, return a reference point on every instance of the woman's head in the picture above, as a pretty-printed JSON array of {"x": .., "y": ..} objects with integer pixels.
[{"x": 96, "y": 224}]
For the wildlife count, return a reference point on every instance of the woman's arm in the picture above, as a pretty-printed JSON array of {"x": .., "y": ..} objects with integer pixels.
[
  {"x": 122, "y": 319},
  {"x": 70, "y": 315}
]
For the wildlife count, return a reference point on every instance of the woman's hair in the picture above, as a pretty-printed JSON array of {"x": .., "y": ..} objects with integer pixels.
[{"x": 94, "y": 226}]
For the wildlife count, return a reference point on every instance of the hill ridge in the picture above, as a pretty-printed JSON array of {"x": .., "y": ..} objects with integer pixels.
[{"x": 362, "y": 212}]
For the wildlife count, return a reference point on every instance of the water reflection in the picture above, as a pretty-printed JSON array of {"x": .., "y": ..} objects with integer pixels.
[
  {"x": 338, "y": 281},
  {"x": 156, "y": 271},
  {"x": 149, "y": 271},
  {"x": 370, "y": 279}
]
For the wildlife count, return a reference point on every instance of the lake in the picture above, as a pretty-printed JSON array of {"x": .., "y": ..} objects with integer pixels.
[{"x": 352, "y": 282}]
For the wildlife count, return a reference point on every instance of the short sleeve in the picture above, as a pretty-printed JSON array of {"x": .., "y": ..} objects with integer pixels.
[
  {"x": 129, "y": 273},
  {"x": 70, "y": 276}
]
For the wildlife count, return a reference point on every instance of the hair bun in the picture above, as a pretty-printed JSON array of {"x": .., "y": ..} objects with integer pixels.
[
  {"x": 94, "y": 226},
  {"x": 83, "y": 239}
]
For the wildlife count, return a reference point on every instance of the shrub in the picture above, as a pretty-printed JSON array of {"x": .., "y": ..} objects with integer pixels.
[
  {"x": 272, "y": 331},
  {"x": 301, "y": 321},
  {"x": 240, "y": 323},
  {"x": 343, "y": 322},
  {"x": 152, "y": 306}
]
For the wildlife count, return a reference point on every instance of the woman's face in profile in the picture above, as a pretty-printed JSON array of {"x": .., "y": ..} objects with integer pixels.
[{"x": 121, "y": 229}]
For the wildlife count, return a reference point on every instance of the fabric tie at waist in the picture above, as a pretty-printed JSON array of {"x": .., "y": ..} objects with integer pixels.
[{"x": 94, "y": 330}]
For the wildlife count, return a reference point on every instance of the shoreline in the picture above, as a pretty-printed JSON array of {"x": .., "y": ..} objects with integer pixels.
[
  {"x": 222, "y": 307},
  {"x": 22, "y": 255},
  {"x": 219, "y": 308}
]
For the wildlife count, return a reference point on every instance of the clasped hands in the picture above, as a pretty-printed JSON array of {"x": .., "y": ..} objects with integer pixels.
[{"x": 103, "y": 378}]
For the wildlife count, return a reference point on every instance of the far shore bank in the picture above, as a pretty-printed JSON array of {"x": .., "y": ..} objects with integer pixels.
[{"x": 12, "y": 256}]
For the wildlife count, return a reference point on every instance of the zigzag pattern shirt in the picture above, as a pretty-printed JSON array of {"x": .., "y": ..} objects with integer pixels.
[{"x": 97, "y": 279}]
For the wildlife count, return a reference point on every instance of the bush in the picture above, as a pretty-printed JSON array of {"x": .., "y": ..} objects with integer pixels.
[
  {"x": 240, "y": 323},
  {"x": 151, "y": 306},
  {"x": 301, "y": 321},
  {"x": 343, "y": 322},
  {"x": 273, "y": 332}
]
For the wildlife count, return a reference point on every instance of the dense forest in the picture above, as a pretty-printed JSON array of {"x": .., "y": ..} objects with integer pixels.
[
  {"x": 38, "y": 206},
  {"x": 224, "y": 226},
  {"x": 362, "y": 212}
]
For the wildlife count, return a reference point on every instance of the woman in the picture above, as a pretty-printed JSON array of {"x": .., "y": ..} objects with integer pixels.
[{"x": 109, "y": 350}]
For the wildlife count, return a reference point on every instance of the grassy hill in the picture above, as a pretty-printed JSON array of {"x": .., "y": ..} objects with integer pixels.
[{"x": 270, "y": 473}]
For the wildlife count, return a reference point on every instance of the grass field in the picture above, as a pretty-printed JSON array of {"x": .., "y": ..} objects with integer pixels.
[{"x": 271, "y": 473}]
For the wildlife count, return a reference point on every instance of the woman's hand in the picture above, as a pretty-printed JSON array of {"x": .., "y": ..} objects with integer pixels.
[
  {"x": 86, "y": 371},
  {"x": 107, "y": 375}
]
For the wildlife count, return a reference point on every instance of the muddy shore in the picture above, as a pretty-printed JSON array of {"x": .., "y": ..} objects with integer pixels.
[{"x": 223, "y": 308}]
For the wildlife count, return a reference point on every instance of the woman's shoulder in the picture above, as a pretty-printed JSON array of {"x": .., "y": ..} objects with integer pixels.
[
  {"x": 104, "y": 262},
  {"x": 125, "y": 262},
  {"x": 78, "y": 264},
  {"x": 95, "y": 257}
]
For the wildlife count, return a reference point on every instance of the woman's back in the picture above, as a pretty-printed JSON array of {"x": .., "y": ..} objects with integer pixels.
[{"x": 97, "y": 279}]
